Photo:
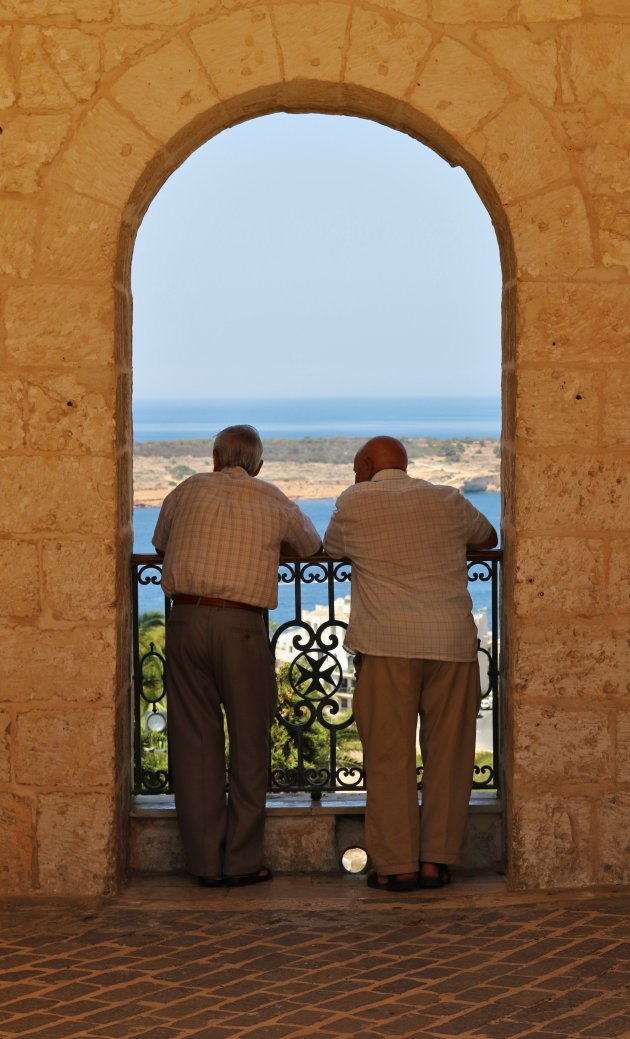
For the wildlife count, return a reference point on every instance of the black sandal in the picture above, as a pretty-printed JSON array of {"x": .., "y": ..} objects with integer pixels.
[{"x": 393, "y": 883}]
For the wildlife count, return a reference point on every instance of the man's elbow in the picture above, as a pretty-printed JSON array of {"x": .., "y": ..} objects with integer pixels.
[{"x": 490, "y": 542}]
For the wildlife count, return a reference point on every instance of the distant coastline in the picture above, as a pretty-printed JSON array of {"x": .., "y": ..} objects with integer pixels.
[{"x": 317, "y": 467}]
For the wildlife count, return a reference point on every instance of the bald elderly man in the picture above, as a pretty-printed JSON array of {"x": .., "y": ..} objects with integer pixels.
[{"x": 412, "y": 631}]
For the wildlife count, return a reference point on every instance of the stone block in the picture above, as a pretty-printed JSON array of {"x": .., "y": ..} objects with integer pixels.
[
  {"x": 29, "y": 144},
  {"x": 613, "y": 219},
  {"x": 622, "y": 740},
  {"x": 483, "y": 846},
  {"x": 57, "y": 494},
  {"x": 552, "y": 842},
  {"x": 7, "y": 78},
  {"x": 458, "y": 89},
  {"x": 73, "y": 750},
  {"x": 106, "y": 156},
  {"x": 613, "y": 826},
  {"x": 571, "y": 659},
  {"x": 558, "y": 407},
  {"x": 41, "y": 333},
  {"x": 558, "y": 575},
  {"x": 521, "y": 153},
  {"x": 598, "y": 135},
  {"x": 311, "y": 36},
  {"x": 456, "y": 12},
  {"x": 239, "y": 51},
  {"x": 58, "y": 66},
  {"x": 120, "y": 45},
  {"x": 619, "y": 578},
  {"x": 412, "y": 8},
  {"x": 299, "y": 844},
  {"x": 18, "y": 224},
  {"x": 155, "y": 846},
  {"x": 616, "y": 394},
  {"x": 79, "y": 579},
  {"x": 164, "y": 12},
  {"x": 552, "y": 234},
  {"x": 40, "y": 666},
  {"x": 549, "y": 10},
  {"x": 567, "y": 493},
  {"x": 12, "y": 425},
  {"x": 19, "y": 566},
  {"x": 384, "y": 51},
  {"x": 598, "y": 61},
  {"x": 5, "y": 744},
  {"x": 81, "y": 10},
  {"x": 553, "y": 744},
  {"x": 79, "y": 238},
  {"x": 165, "y": 90},
  {"x": 75, "y": 844},
  {"x": 67, "y": 413},
  {"x": 531, "y": 62},
  {"x": 17, "y": 845},
  {"x": 564, "y": 324}
]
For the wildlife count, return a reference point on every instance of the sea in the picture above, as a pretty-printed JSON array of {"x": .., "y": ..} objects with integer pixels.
[{"x": 439, "y": 417}]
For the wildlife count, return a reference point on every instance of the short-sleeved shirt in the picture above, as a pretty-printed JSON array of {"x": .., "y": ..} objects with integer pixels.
[
  {"x": 407, "y": 542},
  {"x": 221, "y": 533}
]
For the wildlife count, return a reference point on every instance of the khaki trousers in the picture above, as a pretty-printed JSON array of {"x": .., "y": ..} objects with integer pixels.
[
  {"x": 219, "y": 658},
  {"x": 391, "y": 693}
]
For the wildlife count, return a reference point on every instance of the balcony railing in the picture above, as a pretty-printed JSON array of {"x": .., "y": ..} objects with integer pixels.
[{"x": 315, "y": 747}]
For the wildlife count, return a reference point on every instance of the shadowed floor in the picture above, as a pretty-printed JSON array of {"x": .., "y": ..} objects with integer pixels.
[{"x": 317, "y": 958}]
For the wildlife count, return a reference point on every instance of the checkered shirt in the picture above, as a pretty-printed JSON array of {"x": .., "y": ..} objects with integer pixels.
[
  {"x": 407, "y": 541},
  {"x": 221, "y": 534}
]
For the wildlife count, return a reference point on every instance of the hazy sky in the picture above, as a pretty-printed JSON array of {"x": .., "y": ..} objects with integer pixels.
[{"x": 308, "y": 255}]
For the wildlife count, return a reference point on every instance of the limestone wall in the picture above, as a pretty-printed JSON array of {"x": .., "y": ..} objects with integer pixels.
[{"x": 100, "y": 100}]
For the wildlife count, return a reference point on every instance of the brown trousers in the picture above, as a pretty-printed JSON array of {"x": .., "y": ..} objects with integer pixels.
[
  {"x": 391, "y": 693},
  {"x": 218, "y": 660}
]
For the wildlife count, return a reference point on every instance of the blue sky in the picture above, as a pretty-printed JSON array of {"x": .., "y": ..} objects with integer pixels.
[{"x": 312, "y": 256}]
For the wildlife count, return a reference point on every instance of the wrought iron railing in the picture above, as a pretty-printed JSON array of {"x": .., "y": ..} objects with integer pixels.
[{"x": 315, "y": 747}]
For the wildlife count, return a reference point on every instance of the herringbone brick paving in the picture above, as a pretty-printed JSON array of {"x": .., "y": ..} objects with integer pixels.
[{"x": 317, "y": 958}]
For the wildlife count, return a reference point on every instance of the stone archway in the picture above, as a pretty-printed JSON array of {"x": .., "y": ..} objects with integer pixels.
[{"x": 128, "y": 96}]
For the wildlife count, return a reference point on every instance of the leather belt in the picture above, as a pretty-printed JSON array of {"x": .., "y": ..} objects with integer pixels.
[{"x": 204, "y": 600}]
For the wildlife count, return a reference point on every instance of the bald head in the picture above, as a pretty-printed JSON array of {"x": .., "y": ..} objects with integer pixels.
[{"x": 379, "y": 453}]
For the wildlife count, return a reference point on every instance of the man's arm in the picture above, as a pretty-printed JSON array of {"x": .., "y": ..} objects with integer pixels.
[
  {"x": 301, "y": 538},
  {"x": 489, "y": 542},
  {"x": 334, "y": 544}
]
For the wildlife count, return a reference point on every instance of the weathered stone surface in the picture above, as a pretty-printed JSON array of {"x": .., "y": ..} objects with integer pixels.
[
  {"x": 69, "y": 413},
  {"x": 560, "y": 323},
  {"x": 521, "y": 153},
  {"x": 78, "y": 579},
  {"x": 551, "y": 233},
  {"x": 16, "y": 846},
  {"x": 443, "y": 88},
  {"x": 552, "y": 841},
  {"x": 164, "y": 12},
  {"x": 122, "y": 44},
  {"x": 572, "y": 658},
  {"x": 57, "y": 494},
  {"x": 239, "y": 51},
  {"x": 613, "y": 823},
  {"x": 18, "y": 223},
  {"x": 74, "y": 843},
  {"x": 622, "y": 744},
  {"x": 82, "y": 10},
  {"x": 598, "y": 133},
  {"x": 19, "y": 565},
  {"x": 532, "y": 62},
  {"x": 598, "y": 61},
  {"x": 7, "y": 78},
  {"x": 616, "y": 394},
  {"x": 79, "y": 239},
  {"x": 613, "y": 218},
  {"x": 458, "y": 11},
  {"x": 549, "y": 10},
  {"x": 73, "y": 750},
  {"x": 165, "y": 90},
  {"x": 312, "y": 35},
  {"x": 572, "y": 493},
  {"x": 12, "y": 425},
  {"x": 41, "y": 333},
  {"x": 386, "y": 50},
  {"x": 291, "y": 840},
  {"x": 5, "y": 733},
  {"x": 72, "y": 665},
  {"x": 619, "y": 578},
  {"x": 558, "y": 575},
  {"x": 155, "y": 846},
  {"x": 557, "y": 407},
  {"x": 58, "y": 66},
  {"x": 86, "y": 169},
  {"x": 556, "y": 744},
  {"x": 29, "y": 144}
]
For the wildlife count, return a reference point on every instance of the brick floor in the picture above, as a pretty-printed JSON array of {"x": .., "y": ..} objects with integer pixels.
[{"x": 317, "y": 958}]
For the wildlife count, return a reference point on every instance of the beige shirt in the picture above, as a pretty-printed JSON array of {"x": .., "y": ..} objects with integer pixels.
[
  {"x": 407, "y": 542},
  {"x": 221, "y": 534}
]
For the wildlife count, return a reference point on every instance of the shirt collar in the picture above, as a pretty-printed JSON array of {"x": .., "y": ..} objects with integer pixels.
[{"x": 390, "y": 474}]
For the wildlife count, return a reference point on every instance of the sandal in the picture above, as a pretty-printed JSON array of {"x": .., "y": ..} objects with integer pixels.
[
  {"x": 432, "y": 883},
  {"x": 259, "y": 877},
  {"x": 392, "y": 883}
]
